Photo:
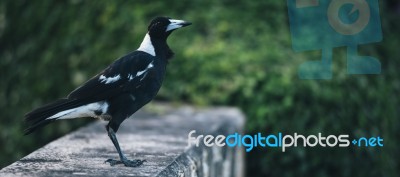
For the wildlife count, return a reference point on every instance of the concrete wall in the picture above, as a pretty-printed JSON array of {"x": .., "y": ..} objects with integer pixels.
[{"x": 161, "y": 138}]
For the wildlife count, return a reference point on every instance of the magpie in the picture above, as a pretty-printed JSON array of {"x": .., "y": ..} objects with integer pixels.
[{"x": 118, "y": 91}]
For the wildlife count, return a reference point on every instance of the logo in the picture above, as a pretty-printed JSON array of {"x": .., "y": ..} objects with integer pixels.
[{"x": 324, "y": 25}]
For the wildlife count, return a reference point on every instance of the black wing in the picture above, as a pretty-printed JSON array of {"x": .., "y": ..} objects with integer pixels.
[{"x": 127, "y": 71}]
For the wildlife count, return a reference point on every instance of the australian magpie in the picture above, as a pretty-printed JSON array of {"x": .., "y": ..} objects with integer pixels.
[{"x": 119, "y": 90}]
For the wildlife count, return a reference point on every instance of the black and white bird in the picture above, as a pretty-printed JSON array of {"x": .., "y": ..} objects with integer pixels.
[{"x": 119, "y": 90}]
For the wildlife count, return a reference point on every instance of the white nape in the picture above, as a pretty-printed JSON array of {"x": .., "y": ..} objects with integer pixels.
[
  {"x": 82, "y": 111},
  {"x": 108, "y": 80},
  {"x": 139, "y": 73},
  {"x": 147, "y": 46}
]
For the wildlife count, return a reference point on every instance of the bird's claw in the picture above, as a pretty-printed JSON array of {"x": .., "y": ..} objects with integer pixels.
[
  {"x": 113, "y": 162},
  {"x": 127, "y": 163}
]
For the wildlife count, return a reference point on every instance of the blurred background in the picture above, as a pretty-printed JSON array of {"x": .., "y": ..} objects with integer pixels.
[{"x": 236, "y": 53}]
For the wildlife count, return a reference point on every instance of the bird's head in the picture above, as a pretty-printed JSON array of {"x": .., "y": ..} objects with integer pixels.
[{"x": 161, "y": 27}]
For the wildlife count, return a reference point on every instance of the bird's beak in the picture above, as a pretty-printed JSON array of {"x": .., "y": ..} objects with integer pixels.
[{"x": 175, "y": 24}]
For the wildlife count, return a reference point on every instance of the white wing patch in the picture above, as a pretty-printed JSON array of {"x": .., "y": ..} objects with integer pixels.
[
  {"x": 82, "y": 111},
  {"x": 109, "y": 80},
  {"x": 147, "y": 46},
  {"x": 130, "y": 77},
  {"x": 139, "y": 73}
]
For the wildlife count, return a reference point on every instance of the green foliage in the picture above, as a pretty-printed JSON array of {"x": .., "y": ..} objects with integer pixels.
[{"x": 235, "y": 53}]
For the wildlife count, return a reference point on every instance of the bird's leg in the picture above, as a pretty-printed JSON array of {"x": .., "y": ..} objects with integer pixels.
[{"x": 123, "y": 159}]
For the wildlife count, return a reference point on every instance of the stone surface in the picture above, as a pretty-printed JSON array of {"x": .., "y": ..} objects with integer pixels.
[{"x": 160, "y": 138}]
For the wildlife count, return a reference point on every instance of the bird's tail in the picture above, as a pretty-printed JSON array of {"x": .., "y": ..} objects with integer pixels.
[{"x": 49, "y": 113}]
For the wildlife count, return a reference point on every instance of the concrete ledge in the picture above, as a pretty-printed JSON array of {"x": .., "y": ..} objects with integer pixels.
[{"x": 159, "y": 138}]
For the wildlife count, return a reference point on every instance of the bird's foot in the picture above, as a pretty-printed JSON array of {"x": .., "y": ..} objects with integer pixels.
[{"x": 126, "y": 162}]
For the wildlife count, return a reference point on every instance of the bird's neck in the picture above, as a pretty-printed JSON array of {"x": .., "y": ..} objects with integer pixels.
[{"x": 156, "y": 47}]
